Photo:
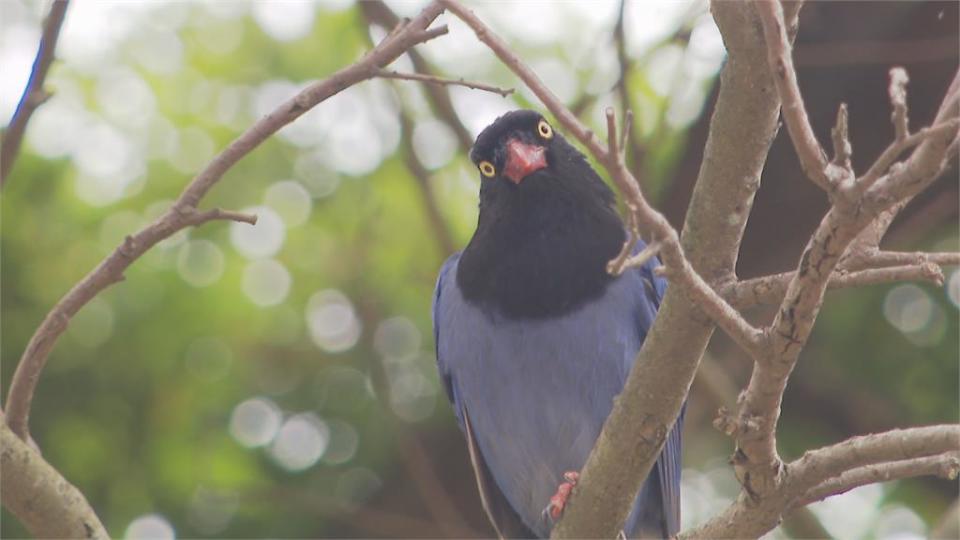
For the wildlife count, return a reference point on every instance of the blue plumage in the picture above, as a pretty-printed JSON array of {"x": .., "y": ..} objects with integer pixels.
[{"x": 532, "y": 382}]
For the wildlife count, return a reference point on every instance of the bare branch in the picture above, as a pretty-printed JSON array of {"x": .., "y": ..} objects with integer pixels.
[
  {"x": 433, "y": 79},
  {"x": 770, "y": 289},
  {"x": 617, "y": 266},
  {"x": 842, "y": 149},
  {"x": 897, "y": 147},
  {"x": 184, "y": 210},
  {"x": 918, "y": 257},
  {"x": 817, "y": 466},
  {"x": 944, "y": 466},
  {"x": 33, "y": 95},
  {"x": 195, "y": 217},
  {"x": 756, "y": 461},
  {"x": 44, "y": 502},
  {"x": 751, "y": 517},
  {"x": 812, "y": 157}
]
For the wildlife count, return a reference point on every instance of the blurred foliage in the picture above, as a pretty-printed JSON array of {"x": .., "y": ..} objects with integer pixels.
[{"x": 317, "y": 320}]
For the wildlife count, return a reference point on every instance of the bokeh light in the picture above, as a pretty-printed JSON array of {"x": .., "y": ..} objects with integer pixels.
[
  {"x": 397, "y": 337},
  {"x": 434, "y": 143},
  {"x": 261, "y": 240},
  {"x": 953, "y": 287},
  {"x": 266, "y": 282},
  {"x": 284, "y": 20},
  {"x": 343, "y": 442},
  {"x": 290, "y": 200},
  {"x": 332, "y": 322},
  {"x": 150, "y": 527},
  {"x": 255, "y": 422},
  {"x": 300, "y": 442},
  {"x": 913, "y": 312}
]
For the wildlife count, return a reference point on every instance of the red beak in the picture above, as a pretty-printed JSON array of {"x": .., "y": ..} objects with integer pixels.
[{"x": 523, "y": 159}]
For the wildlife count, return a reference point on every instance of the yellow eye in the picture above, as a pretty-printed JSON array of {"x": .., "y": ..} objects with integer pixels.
[
  {"x": 544, "y": 129},
  {"x": 487, "y": 169}
]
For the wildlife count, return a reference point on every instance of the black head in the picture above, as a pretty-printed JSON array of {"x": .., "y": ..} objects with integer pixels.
[{"x": 547, "y": 224}]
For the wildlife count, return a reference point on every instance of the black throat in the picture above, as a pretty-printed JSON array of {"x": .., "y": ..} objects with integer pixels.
[{"x": 541, "y": 247}]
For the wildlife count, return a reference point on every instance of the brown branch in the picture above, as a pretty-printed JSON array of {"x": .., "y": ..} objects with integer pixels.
[
  {"x": 898, "y": 146},
  {"x": 183, "y": 211},
  {"x": 757, "y": 463},
  {"x": 44, "y": 502},
  {"x": 944, "y": 466},
  {"x": 813, "y": 159},
  {"x": 33, "y": 95},
  {"x": 433, "y": 79},
  {"x": 823, "y": 464},
  {"x": 627, "y": 448},
  {"x": 849, "y": 460},
  {"x": 919, "y": 257},
  {"x": 770, "y": 289}
]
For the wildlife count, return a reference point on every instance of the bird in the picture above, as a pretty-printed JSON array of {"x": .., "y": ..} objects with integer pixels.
[{"x": 535, "y": 338}]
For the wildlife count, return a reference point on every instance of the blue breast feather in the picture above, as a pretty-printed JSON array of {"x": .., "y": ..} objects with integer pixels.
[{"x": 538, "y": 391}]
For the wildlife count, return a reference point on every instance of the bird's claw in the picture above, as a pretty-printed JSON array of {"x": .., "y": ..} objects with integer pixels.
[{"x": 554, "y": 510}]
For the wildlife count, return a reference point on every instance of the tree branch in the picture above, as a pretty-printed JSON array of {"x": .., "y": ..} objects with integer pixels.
[
  {"x": 824, "y": 464},
  {"x": 33, "y": 95},
  {"x": 813, "y": 159},
  {"x": 44, "y": 502},
  {"x": 944, "y": 466},
  {"x": 835, "y": 467},
  {"x": 770, "y": 289},
  {"x": 756, "y": 461},
  {"x": 183, "y": 212},
  {"x": 433, "y": 79}
]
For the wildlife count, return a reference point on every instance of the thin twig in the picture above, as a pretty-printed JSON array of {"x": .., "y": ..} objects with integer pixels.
[
  {"x": 183, "y": 211},
  {"x": 768, "y": 290},
  {"x": 916, "y": 257},
  {"x": 433, "y": 79},
  {"x": 33, "y": 95},
  {"x": 812, "y": 157},
  {"x": 617, "y": 267},
  {"x": 897, "y": 147}
]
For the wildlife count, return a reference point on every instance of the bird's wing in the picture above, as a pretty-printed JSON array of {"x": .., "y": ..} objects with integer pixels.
[
  {"x": 442, "y": 367},
  {"x": 504, "y": 519},
  {"x": 669, "y": 462}
]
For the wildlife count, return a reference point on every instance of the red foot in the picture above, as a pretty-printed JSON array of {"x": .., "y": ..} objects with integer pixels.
[{"x": 559, "y": 499}]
